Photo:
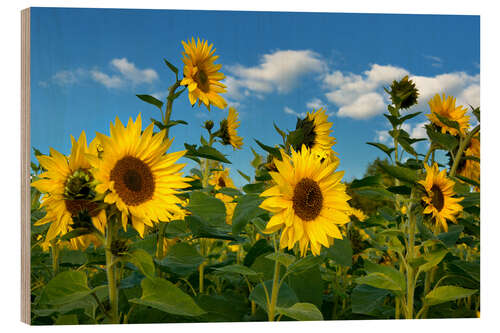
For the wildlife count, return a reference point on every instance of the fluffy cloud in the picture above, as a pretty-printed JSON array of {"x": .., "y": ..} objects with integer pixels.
[
  {"x": 362, "y": 96},
  {"x": 124, "y": 73},
  {"x": 279, "y": 72},
  {"x": 288, "y": 110},
  {"x": 315, "y": 104}
]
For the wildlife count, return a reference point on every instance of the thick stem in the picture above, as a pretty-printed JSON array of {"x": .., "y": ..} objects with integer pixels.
[
  {"x": 170, "y": 102},
  {"x": 201, "y": 270},
  {"x": 463, "y": 145},
  {"x": 54, "y": 249},
  {"x": 111, "y": 272}
]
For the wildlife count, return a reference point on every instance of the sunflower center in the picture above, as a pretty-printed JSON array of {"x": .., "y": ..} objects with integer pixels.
[
  {"x": 307, "y": 199},
  {"x": 437, "y": 197},
  {"x": 76, "y": 207},
  {"x": 221, "y": 182},
  {"x": 134, "y": 181},
  {"x": 202, "y": 79}
]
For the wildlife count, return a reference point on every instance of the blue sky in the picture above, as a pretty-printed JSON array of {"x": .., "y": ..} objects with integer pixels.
[{"x": 88, "y": 64}]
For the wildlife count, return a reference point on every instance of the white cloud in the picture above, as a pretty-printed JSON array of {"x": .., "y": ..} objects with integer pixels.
[
  {"x": 279, "y": 72},
  {"x": 106, "y": 80},
  {"x": 364, "y": 106},
  {"x": 66, "y": 77},
  {"x": 292, "y": 112},
  {"x": 418, "y": 131},
  {"x": 132, "y": 73},
  {"x": 436, "y": 61},
  {"x": 362, "y": 96},
  {"x": 315, "y": 104}
]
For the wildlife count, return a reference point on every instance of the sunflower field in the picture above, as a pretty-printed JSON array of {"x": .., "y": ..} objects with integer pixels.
[{"x": 122, "y": 232}]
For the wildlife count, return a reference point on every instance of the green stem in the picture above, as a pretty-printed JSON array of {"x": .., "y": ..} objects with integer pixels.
[
  {"x": 201, "y": 270},
  {"x": 410, "y": 273},
  {"x": 170, "y": 102},
  {"x": 111, "y": 272},
  {"x": 463, "y": 145},
  {"x": 275, "y": 288},
  {"x": 54, "y": 249},
  {"x": 161, "y": 236}
]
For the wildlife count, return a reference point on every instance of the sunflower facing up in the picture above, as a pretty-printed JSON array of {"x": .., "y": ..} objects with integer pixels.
[
  {"x": 439, "y": 199},
  {"x": 69, "y": 191},
  {"x": 317, "y": 130},
  {"x": 201, "y": 75},
  {"x": 308, "y": 201},
  {"x": 446, "y": 108},
  {"x": 135, "y": 173},
  {"x": 227, "y": 131}
]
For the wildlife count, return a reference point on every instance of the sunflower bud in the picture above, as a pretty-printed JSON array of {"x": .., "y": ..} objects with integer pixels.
[
  {"x": 119, "y": 247},
  {"x": 209, "y": 125},
  {"x": 403, "y": 93}
]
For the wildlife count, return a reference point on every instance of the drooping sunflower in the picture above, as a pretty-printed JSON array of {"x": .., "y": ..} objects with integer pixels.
[
  {"x": 470, "y": 168},
  {"x": 135, "y": 173},
  {"x": 358, "y": 213},
  {"x": 439, "y": 200},
  {"x": 316, "y": 129},
  {"x": 446, "y": 108},
  {"x": 221, "y": 179},
  {"x": 308, "y": 201},
  {"x": 201, "y": 75},
  {"x": 228, "y": 132},
  {"x": 69, "y": 193}
]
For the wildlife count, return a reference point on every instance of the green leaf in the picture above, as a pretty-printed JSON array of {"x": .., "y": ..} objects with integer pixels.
[
  {"x": 367, "y": 300},
  {"x": 448, "y": 122},
  {"x": 177, "y": 94},
  {"x": 468, "y": 181},
  {"x": 232, "y": 192},
  {"x": 237, "y": 269},
  {"x": 280, "y": 132},
  {"x": 247, "y": 178},
  {"x": 375, "y": 193},
  {"x": 382, "y": 147},
  {"x": 308, "y": 286},
  {"x": 202, "y": 229},
  {"x": 477, "y": 113},
  {"x": 283, "y": 258},
  {"x": 444, "y": 294},
  {"x": 388, "y": 213},
  {"x": 70, "y": 319},
  {"x": 176, "y": 228},
  {"x": 444, "y": 141},
  {"x": 450, "y": 238},
  {"x": 340, "y": 252},
  {"x": 271, "y": 150},
  {"x": 205, "y": 152},
  {"x": 65, "y": 287},
  {"x": 409, "y": 116},
  {"x": 143, "y": 261},
  {"x": 75, "y": 233},
  {"x": 172, "y": 67},
  {"x": 401, "y": 173},
  {"x": 406, "y": 144},
  {"x": 207, "y": 207},
  {"x": 472, "y": 269},
  {"x": 304, "y": 264},
  {"x": 151, "y": 100},
  {"x": 260, "y": 247},
  {"x": 246, "y": 209},
  {"x": 175, "y": 122},
  {"x": 383, "y": 277},
  {"x": 394, "y": 120},
  {"x": 470, "y": 199},
  {"x": 165, "y": 296},
  {"x": 433, "y": 259},
  {"x": 402, "y": 189},
  {"x": 367, "y": 181},
  {"x": 255, "y": 188},
  {"x": 301, "y": 311},
  {"x": 286, "y": 296},
  {"x": 182, "y": 259}
]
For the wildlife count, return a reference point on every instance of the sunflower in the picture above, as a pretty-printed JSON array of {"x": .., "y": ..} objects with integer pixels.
[
  {"x": 228, "y": 132},
  {"x": 308, "y": 201},
  {"x": 445, "y": 108},
  {"x": 316, "y": 131},
  {"x": 358, "y": 213},
  {"x": 221, "y": 179},
  {"x": 69, "y": 194},
  {"x": 439, "y": 199},
  {"x": 470, "y": 168},
  {"x": 201, "y": 75},
  {"x": 137, "y": 175}
]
